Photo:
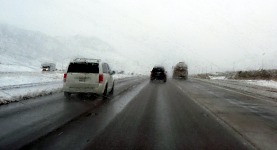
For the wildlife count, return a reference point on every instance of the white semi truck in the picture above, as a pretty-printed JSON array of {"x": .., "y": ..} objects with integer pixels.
[
  {"x": 180, "y": 71},
  {"x": 48, "y": 67}
]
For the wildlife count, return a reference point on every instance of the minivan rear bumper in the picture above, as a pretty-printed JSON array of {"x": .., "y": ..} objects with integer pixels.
[{"x": 91, "y": 90}]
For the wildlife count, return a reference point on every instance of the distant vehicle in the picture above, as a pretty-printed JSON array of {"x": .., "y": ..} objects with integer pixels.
[
  {"x": 158, "y": 73},
  {"x": 180, "y": 71},
  {"x": 91, "y": 76},
  {"x": 48, "y": 67}
]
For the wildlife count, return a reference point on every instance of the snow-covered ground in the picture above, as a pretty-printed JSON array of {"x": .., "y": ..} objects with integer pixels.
[
  {"x": 18, "y": 78},
  {"x": 217, "y": 77},
  {"x": 16, "y": 86},
  {"x": 257, "y": 87},
  {"x": 15, "y": 68},
  {"x": 264, "y": 83}
]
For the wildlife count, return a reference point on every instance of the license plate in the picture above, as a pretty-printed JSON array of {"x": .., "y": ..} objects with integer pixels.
[{"x": 82, "y": 79}]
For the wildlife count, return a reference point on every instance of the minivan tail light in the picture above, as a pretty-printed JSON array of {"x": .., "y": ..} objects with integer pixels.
[
  {"x": 64, "y": 77},
  {"x": 101, "y": 78}
]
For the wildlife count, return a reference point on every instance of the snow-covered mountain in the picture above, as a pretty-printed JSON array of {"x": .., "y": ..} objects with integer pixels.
[{"x": 24, "y": 50}]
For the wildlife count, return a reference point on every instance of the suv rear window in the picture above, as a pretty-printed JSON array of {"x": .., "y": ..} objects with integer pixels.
[{"x": 83, "y": 68}]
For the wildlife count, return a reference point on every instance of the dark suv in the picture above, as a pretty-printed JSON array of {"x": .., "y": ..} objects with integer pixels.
[{"x": 158, "y": 73}]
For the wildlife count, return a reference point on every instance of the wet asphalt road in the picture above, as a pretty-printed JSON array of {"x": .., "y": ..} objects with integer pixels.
[
  {"x": 25, "y": 121},
  {"x": 162, "y": 117},
  {"x": 150, "y": 116}
]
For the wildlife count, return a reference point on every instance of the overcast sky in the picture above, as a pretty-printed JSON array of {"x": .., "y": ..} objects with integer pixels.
[{"x": 210, "y": 35}]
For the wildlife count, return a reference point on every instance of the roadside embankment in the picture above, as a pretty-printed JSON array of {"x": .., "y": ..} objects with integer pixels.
[
  {"x": 261, "y": 82},
  {"x": 246, "y": 86}
]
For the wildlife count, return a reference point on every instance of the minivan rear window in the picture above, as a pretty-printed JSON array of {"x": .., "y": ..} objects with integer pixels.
[{"x": 83, "y": 68}]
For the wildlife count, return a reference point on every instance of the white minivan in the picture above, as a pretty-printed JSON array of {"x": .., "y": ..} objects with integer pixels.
[{"x": 90, "y": 76}]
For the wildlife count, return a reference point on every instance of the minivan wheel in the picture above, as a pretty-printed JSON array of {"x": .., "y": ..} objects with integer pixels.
[{"x": 67, "y": 94}]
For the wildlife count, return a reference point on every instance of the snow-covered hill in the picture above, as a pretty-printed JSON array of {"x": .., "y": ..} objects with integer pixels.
[{"x": 24, "y": 50}]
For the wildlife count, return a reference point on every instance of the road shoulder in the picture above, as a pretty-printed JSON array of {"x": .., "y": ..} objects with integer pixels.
[{"x": 252, "y": 118}]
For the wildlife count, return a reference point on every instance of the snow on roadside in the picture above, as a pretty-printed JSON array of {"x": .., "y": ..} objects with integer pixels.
[
  {"x": 119, "y": 76},
  {"x": 259, "y": 87},
  {"x": 15, "y": 68},
  {"x": 7, "y": 96},
  {"x": 217, "y": 77},
  {"x": 16, "y": 78},
  {"x": 16, "y": 86},
  {"x": 265, "y": 83}
]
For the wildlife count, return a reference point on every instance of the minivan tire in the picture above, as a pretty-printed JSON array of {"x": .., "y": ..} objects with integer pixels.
[
  {"x": 106, "y": 90},
  {"x": 105, "y": 93},
  {"x": 67, "y": 94},
  {"x": 112, "y": 90}
]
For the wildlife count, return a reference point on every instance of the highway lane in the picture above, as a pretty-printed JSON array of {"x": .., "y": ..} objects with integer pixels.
[
  {"x": 251, "y": 115},
  {"x": 151, "y": 116},
  {"x": 25, "y": 121}
]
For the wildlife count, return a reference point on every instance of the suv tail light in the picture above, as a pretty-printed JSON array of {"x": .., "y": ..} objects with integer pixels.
[
  {"x": 64, "y": 77},
  {"x": 101, "y": 78}
]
